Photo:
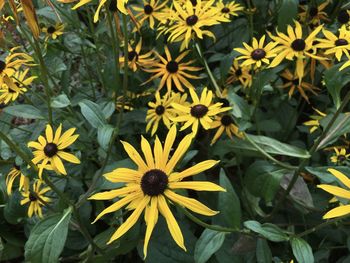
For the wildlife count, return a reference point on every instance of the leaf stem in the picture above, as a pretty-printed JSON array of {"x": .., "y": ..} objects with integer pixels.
[{"x": 322, "y": 225}]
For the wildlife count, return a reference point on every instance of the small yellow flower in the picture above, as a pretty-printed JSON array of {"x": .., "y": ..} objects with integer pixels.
[
  {"x": 150, "y": 11},
  {"x": 314, "y": 14},
  {"x": 225, "y": 124},
  {"x": 340, "y": 155},
  {"x": 228, "y": 9},
  {"x": 14, "y": 173},
  {"x": 54, "y": 31},
  {"x": 314, "y": 123},
  {"x": 240, "y": 73}
]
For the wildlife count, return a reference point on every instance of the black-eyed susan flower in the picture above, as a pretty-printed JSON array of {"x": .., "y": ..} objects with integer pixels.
[
  {"x": 240, "y": 73},
  {"x": 291, "y": 82},
  {"x": 153, "y": 185},
  {"x": 14, "y": 173},
  {"x": 225, "y": 124},
  {"x": 314, "y": 123},
  {"x": 314, "y": 14},
  {"x": 189, "y": 20},
  {"x": 53, "y": 31},
  {"x": 173, "y": 71},
  {"x": 293, "y": 45},
  {"x": 228, "y": 9},
  {"x": 337, "y": 45},
  {"x": 257, "y": 54},
  {"x": 343, "y": 16},
  {"x": 200, "y": 112},
  {"x": 150, "y": 11},
  {"x": 340, "y": 155},
  {"x": 161, "y": 110},
  {"x": 36, "y": 198},
  {"x": 137, "y": 60},
  {"x": 49, "y": 150},
  {"x": 337, "y": 191}
]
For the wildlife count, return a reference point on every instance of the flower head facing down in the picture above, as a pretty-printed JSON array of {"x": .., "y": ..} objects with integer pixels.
[
  {"x": 152, "y": 187},
  {"x": 14, "y": 173},
  {"x": 49, "y": 150}
]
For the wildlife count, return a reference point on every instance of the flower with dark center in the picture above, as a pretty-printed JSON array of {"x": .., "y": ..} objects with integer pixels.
[
  {"x": 298, "y": 44},
  {"x": 313, "y": 11},
  {"x": 258, "y": 54},
  {"x": 2, "y": 66},
  {"x": 132, "y": 54},
  {"x": 341, "y": 158},
  {"x": 198, "y": 111},
  {"x": 341, "y": 42},
  {"x": 154, "y": 182},
  {"x": 238, "y": 72},
  {"x": 226, "y": 120},
  {"x": 295, "y": 82},
  {"x": 50, "y": 149},
  {"x": 172, "y": 66},
  {"x": 148, "y": 9},
  {"x": 32, "y": 197},
  {"x": 343, "y": 17},
  {"x": 225, "y": 10},
  {"x": 51, "y": 30},
  {"x": 160, "y": 110},
  {"x": 191, "y": 20},
  {"x": 225, "y": 102}
]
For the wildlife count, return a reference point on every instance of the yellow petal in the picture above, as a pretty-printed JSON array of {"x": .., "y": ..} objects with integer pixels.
[
  {"x": 134, "y": 156},
  {"x": 68, "y": 157},
  {"x": 335, "y": 190},
  {"x": 123, "y": 175},
  {"x": 337, "y": 212},
  {"x": 49, "y": 133},
  {"x": 151, "y": 220},
  {"x": 147, "y": 152},
  {"x": 340, "y": 176},
  {"x": 198, "y": 186},
  {"x": 180, "y": 151},
  {"x": 198, "y": 168},
  {"x": 109, "y": 195}
]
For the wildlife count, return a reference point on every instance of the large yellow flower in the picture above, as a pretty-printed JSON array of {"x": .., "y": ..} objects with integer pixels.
[
  {"x": 50, "y": 150},
  {"x": 337, "y": 192},
  {"x": 151, "y": 187},
  {"x": 201, "y": 111}
]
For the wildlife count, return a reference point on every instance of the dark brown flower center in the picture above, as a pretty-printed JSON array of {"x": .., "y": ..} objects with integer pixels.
[
  {"x": 50, "y": 149},
  {"x": 225, "y": 102},
  {"x": 225, "y": 10},
  {"x": 238, "y": 72},
  {"x": 192, "y": 20},
  {"x": 341, "y": 42},
  {"x": 298, "y": 44},
  {"x": 148, "y": 9},
  {"x": 172, "y": 66},
  {"x": 226, "y": 120},
  {"x": 160, "y": 110},
  {"x": 2, "y": 66},
  {"x": 32, "y": 197},
  {"x": 258, "y": 54},
  {"x": 341, "y": 158},
  {"x": 51, "y": 30},
  {"x": 199, "y": 111},
  {"x": 343, "y": 17},
  {"x": 313, "y": 11},
  {"x": 194, "y": 2},
  {"x": 154, "y": 182},
  {"x": 132, "y": 54},
  {"x": 295, "y": 82}
]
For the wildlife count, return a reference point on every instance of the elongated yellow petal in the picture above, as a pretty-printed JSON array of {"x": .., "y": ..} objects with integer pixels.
[
  {"x": 49, "y": 133},
  {"x": 340, "y": 176},
  {"x": 134, "y": 156},
  {"x": 147, "y": 152},
  {"x": 68, "y": 157},
  {"x": 337, "y": 212},
  {"x": 180, "y": 151},
  {"x": 169, "y": 141},
  {"x": 151, "y": 220},
  {"x": 198, "y": 186},
  {"x": 335, "y": 190},
  {"x": 123, "y": 175},
  {"x": 198, "y": 168},
  {"x": 30, "y": 15},
  {"x": 108, "y": 195}
]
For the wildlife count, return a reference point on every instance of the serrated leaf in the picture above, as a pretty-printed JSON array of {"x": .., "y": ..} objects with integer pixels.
[
  {"x": 24, "y": 111},
  {"x": 302, "y": 250},
  {"x": 208, "y": 243},
  {"x": 92, "y": 113}
]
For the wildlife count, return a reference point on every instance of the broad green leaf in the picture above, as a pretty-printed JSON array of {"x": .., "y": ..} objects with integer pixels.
[
  {"x": 104, "y": 134},
  {"x": 263, "y": 252},
  {"x": 228, "y": 203},
  {"x": 301, "y": 250},
  {"x": 47, "y": 238},
  {"x": 287, "y": 13},
  {"x": 326, "y": 177},
  {"x": 240, "y": 107},
  {"x": 267, "y": 230},
  {"x": 24, "y": 111},
  {"x": 14, "y": 212},
  {"x": 208, "y": 243},
  {"x": 61, "y": 101},
  {"x": 225, "y": 65},
  {"x": 263, "y": 179},
  {"x": 92, "y": 113}
]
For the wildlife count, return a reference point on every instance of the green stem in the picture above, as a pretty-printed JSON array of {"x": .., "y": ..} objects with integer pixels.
[
  {"x": 322, "y": 225},
  {"x": 250, "y": 18},
  {"x": 210, "y": 74},
  {"x": 312, "y": 151}
]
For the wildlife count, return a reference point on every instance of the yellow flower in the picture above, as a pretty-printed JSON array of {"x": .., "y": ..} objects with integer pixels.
[
  {"x": 225, "y": 124},
  {"x": 257, "y": 54},
  {"x": 50, "y": 150},
  {"x": 54, "y": 31},
  {"x": 161, "y": 110},
  {"x": 228, "y": 9},
  {"x": 314, "y": 14},
  {"x": 337, "y": 192},
  {"x": 150, "y": 11},
  {"x": 173, "y": 71},
  {"x": 240, "y": 73},
  {"x": 293, "y": 46},
  {"x": 137, "y": 60},
  {"x": 201, "y": 111},
  {"x": 314, "y": 123},
  {"x": 151, "y": 187},
  {"x": 12, "y": 175},
  {"x": 340, "y": 155},
  {"x": 36, "y": 198}
]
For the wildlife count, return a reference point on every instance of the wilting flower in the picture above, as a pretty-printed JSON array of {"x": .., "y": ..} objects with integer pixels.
[
  {"x": 314, "y": 123},
  {"x": 257, "y": 54},
  {"x": 30, "y": 15},
  {"x": 225, "y": 124},
  {"x": 228, "y": 9},
  {"x": 54, "y": 31},
  {"x": 239, "y": 73},
  {"x": 14, "y": 173},
  {"x": 136, "y": 59},
  {"x": 340, "y": 155},
  {"x": 337, "y": 191},
  {"x": 173, "y": 71},
  {"x": 36, "y": 198},
  {"x": 151, "y": 187},
  {"x": 49, "y": 150},
  {"x": 201, "y": 111},
  {"x": 150, "y": 12},
  {"x": 294, "y": 45},
  {"x": 161, "y": 110}
]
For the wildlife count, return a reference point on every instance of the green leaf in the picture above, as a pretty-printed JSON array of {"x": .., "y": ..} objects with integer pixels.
[
  {"x": 228, "y": 203},
  {"x": 92, "y": 113},
  {"x": 263, "y": 252},
  {"x": 24, "y": 111},
  {"x": 240, "y": 108},
  {"x": 47, "y": 238},
  {"x": 287, "y": 13},
  {"x": 14, "y": 212},
  {"x": 208, "y": 243},
  {"x": 267, "y": 230},
  {"x": 301, "y": 250},
  {"x": 263, "y": 179},
  {"x": 326, "y": 177},
  {"x": 61, "y": 101},
  {"x": 104, "y": 134}
]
